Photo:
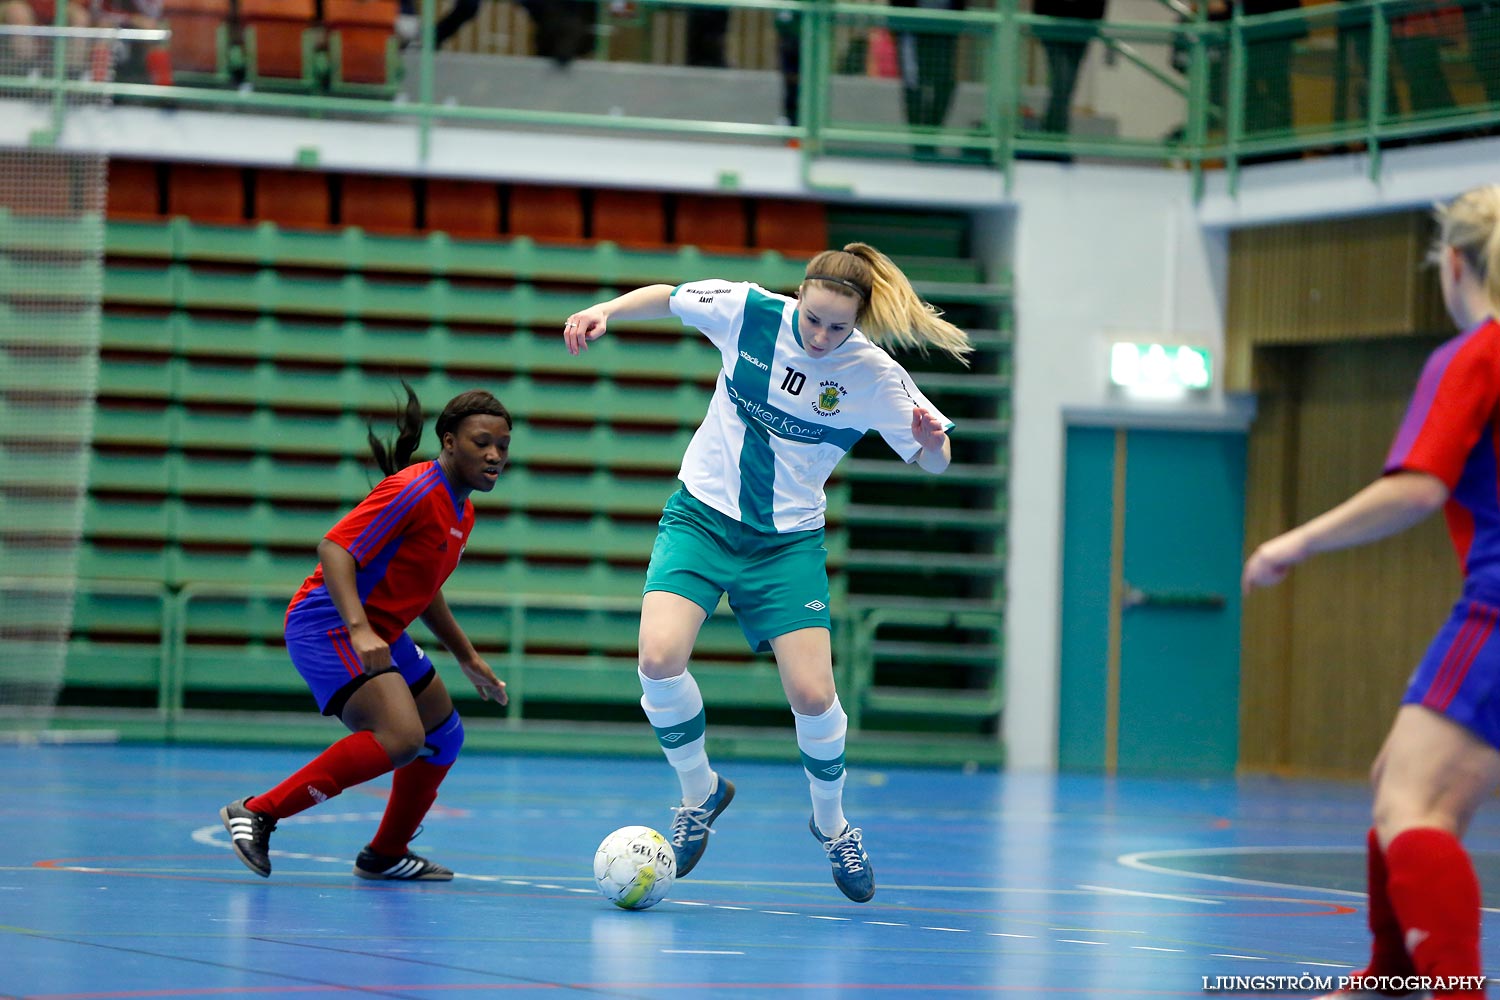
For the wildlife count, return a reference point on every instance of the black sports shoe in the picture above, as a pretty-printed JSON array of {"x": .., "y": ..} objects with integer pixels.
[
  {"x": 409, "y": 868},
  {"x": 249, "y": 835},
  {"x": 690, "y": 825}
]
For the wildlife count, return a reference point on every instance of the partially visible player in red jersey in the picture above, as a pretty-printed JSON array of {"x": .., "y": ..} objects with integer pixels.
[
  {"x": 1442, "y": 756},
  {"x": 380, "y": 567}
]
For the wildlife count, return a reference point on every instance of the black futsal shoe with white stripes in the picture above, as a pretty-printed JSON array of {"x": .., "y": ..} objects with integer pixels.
[
  {"x": 249, "y": 835},
  {"x": 410, "y": 868}
]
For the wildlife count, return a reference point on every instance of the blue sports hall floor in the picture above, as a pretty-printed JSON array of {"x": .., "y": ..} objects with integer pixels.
[{"x": 117, "y": 882}]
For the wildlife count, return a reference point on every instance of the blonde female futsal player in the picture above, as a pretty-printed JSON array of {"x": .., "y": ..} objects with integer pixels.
[
  {"x": 801, "y": 383},
  {"x": 1440, "y": 759}
]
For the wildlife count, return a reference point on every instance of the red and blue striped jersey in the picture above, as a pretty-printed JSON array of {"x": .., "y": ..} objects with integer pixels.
[
  {"x": 406, "y": 537},
  {"x": 1450, "y": 431}
]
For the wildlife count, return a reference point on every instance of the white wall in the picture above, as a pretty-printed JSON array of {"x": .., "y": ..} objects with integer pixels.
[
  {"x": 1101, "y": 253},
  {"x": 1105, "y": 250}
]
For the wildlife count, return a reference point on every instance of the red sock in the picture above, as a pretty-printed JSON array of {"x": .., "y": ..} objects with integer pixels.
[
  {"x": 1435, "y": 894},
  {"x": 1388, "y": 955},
  {"x": 351, "y": 761},
  {"x": 414, "y": 789}
]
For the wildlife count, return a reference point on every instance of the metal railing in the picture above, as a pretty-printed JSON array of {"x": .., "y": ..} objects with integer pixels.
[{"x": 1228, "y": 75}]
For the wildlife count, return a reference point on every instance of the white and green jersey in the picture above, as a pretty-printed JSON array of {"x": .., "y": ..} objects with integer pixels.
[{"x": 780, "y": 420}]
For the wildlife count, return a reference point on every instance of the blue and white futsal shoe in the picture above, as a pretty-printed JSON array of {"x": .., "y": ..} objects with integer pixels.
[
  {"x": 851, "y": 865},
  {"x": 690, "y": 824}
]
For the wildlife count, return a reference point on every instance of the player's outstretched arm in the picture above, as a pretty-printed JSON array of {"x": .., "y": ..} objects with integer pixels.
[
  {"x": 1386, "y": 507},
  {"x": 439, "y": 618},
  {"x": 650, "y": 302}
]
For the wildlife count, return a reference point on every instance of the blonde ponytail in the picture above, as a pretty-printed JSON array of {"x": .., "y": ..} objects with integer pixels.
[
  {"x": 1470, "y": 224},
  {"x": 890, "y": 313}
]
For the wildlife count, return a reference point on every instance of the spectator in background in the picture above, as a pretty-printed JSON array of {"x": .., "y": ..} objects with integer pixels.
[
  {"x": 560, "y": 31},
  {"x": 1415, "y": 49},
  {"x": 1268, "y": 72},
  {"x": 929, "y": 70},
  {"x": 1065, "y": 47},
  {"x": 706, "y": 28},
  {"x": 1215, "y": 53},
  {"x": 136, "y": 62},
  {"x": 789, "y": 57},
  {"x": 1482, "y": 22},
  {"x": 28, "y": 51}
]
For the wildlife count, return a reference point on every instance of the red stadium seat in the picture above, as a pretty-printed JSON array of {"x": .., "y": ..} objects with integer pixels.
[
  {"x": 278, "y": 36},
  {"x": 631, "y": 218},
  {"x": 379, "y": 204},
  {"x": 546, "y": 213},
  {"x": 206, "y": 193},
  {"x": 200, "y": 30},
  {"x": 794, "y": 228},
  {"x": 713, "y": 224},
  {"x": 134, "y": 190},
  {"x": 362, "y": 47},
  {"x": 466, "y": 209},
  {"x": 297, "y": 199}
]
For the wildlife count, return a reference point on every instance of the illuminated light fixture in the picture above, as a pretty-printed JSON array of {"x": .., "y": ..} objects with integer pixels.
[{"x": 1160, "y": 369}]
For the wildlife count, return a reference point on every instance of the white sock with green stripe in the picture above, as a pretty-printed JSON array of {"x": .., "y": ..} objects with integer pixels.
[
  {"x": 675, "y": 709},
  {"x": 821, "y": 740}
]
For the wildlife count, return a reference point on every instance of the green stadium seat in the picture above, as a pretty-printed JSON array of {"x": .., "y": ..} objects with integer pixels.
[
  {"x": 595, "y": 537},
  {"x": 148, "y": 333},
  {"x": 138, "y": 377},
  {"x": 123, "y": 424},
  {"x": 50, "y": 328},
  {"x": 112, "y": 665},
  {"x": 100, "y": 560},
  {"x": 145, "y": 519},
  {"x": 131, "y": 472},
  {"x": 148, "y": 286}
]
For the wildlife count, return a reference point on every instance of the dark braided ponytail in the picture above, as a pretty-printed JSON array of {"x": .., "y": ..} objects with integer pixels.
[{"x": 394, "y": 457}]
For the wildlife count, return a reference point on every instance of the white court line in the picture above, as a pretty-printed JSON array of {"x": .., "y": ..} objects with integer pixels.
[
  {"x": 1141, "y": 861},
  {"x": 1147, "y": 947},
  {"x": 693, "y": 951},
  {"x": 1151, "y": 895},
  {"x": 1248, "y": 958}
]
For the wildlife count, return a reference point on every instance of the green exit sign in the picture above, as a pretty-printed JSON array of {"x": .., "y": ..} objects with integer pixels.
[{"x": 1160, "y": 368}]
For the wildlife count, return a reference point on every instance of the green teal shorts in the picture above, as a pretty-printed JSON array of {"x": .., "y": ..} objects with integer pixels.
[{"x": 777, "y": 582}]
